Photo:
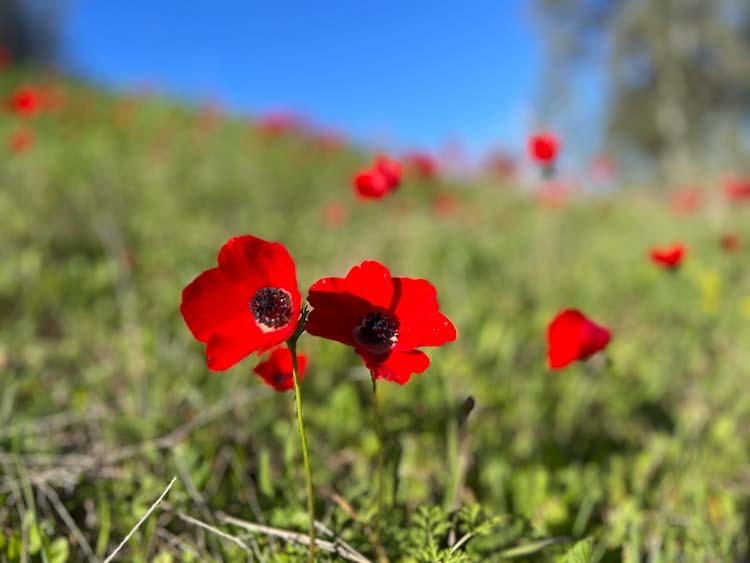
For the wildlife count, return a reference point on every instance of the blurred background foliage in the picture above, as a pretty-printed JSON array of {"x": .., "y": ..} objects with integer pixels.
[
  {"x": 29, "y": 30},
  {"x": 677, "y": 76}
]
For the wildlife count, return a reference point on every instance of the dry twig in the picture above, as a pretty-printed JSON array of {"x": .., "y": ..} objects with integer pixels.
[{"x": 141, "y": 521}]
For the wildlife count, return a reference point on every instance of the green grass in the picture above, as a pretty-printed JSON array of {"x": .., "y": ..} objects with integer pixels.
[{"x": 105, "y": 396}]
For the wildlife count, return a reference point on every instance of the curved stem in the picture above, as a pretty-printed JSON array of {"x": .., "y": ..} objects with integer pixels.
[{"x": 292, "y": 344}]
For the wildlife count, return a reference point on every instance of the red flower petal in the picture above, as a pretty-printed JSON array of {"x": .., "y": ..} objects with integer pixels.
[
  {"x": 422, "y": 323},
  {"x": 544, "y": 147},
  {"x": 670, "y": 257},
  {"x": 378, "y": 181},
  {"x": 391, "y": 169},
  {"x": 422, "y": 164},
  {"x": 225, "y": 349},
  {"x": 251, "y": 260},
  {"x": 20, "y": 141},
  {"x": 371, "y": 281},
  {"x": 571, "y": 336},
  {"x": 335, "y": 312},
  {"x": 737, "y": 189},
  {"x": 211, "y": 302},
  {"x": 276, "y": 371},
  {"x": 25, "y": 101},
  {"x": 731, "y": 242},
  {"x": 397, "y": 366},
  {"x": 371, "y": 184}
]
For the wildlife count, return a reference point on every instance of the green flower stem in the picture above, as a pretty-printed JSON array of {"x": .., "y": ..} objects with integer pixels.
[
  {"x": 381, "y": 456},
  {"x": 292, "y": 344}
]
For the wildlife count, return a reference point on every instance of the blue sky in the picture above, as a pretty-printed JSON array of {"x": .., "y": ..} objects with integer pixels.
[{"x": 414, "y": 73}]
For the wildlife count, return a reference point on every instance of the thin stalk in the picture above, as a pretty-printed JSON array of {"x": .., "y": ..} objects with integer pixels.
[
  {"x": 292, "y": 344},
  {"x": 381, "y": 456}
]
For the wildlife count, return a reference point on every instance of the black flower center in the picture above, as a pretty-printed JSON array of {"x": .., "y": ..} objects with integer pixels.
[
  {"x": 377, "y": 332},
  {"x": 271, "y": 307}
]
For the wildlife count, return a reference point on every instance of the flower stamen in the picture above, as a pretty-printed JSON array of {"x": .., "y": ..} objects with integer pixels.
[
  {"x": 272, "y": 308},
  {"x": 377, "y": 332}
]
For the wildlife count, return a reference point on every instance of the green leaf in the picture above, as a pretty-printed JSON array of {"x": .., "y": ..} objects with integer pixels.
[
  {"x": 531, "y": 547},
  {"x": 580, "y": 552},
  {"x": 35, "y": 538},
  {"x": 163, "y": 557},
  {"x": 15, "y": 547},
  {"x": 59, "y": 551}
]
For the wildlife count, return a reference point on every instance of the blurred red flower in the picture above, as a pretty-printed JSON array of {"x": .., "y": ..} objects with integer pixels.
[
  {"x": 603, "y": 169},
  {"x": 276, "y": 371},
  {"x": 737, "y": 189},
  {"x": 686, "y": 201},
  {"x": 249, "y": 303},
  {"x": 501, "y": 165},
  {"x": 554, "y": 195},
  {"x": 328, "y": 140},
  {"x": 383, "y": 177},
  {"x": 571, "y": 337},
  {"x": 385, "y": 319},
  {"x": 669, "y": 257},
  {"x": 444, "y": 205},
  {"x": 421, "y": 164},
  {"x": 20, "y": 141},
  {"x": 281, "y": 123},
  {"x": 26, "y": 101},
  {"x": 544, "y": 148},
  {"x": 334, "y": 214},
  {"x": 731, "y": 242}
]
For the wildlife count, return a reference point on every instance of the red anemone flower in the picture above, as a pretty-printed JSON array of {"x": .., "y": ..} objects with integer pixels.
[
  {"x": 686, "y": 201},
  {"x": 422, "y": 164},
  {"x": 276, "y": 371},
  {"x": 571, "y": 337},
  {"x": 20, "y": 141},
  {"x": 731, "y": 242},
  {"x": 385, "y": 319},
  {"x": 383, "y": 177},
  {"x": 26, "y": 101},
  {"x": 737, "y": 189},
  {"x": 281, "y": 123},
  {"x": 334, "y": 214},
  {"x": 444, "y": 205},
  {"x": 554, "y": 195},
  {"x": 543, "y": 148},
  {"x": 669, "y": 257},
  {"x": 249, "y": 303}
]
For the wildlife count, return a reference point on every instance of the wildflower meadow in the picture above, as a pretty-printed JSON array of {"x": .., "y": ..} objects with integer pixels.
[{"x": 226, "y": 338}]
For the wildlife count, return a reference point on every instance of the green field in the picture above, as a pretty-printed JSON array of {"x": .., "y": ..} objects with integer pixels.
[{"x": 105, "y": 396}]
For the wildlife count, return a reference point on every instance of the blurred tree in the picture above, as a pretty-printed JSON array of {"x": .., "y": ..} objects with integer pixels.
[
  {"x": 677, "y": 73},
  {"x": 28, "y": 29}
]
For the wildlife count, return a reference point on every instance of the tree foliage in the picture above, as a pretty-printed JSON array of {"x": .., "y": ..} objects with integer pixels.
[
  {"x": 677, "y": 73},
  {"x": 28, "y": 29}
]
